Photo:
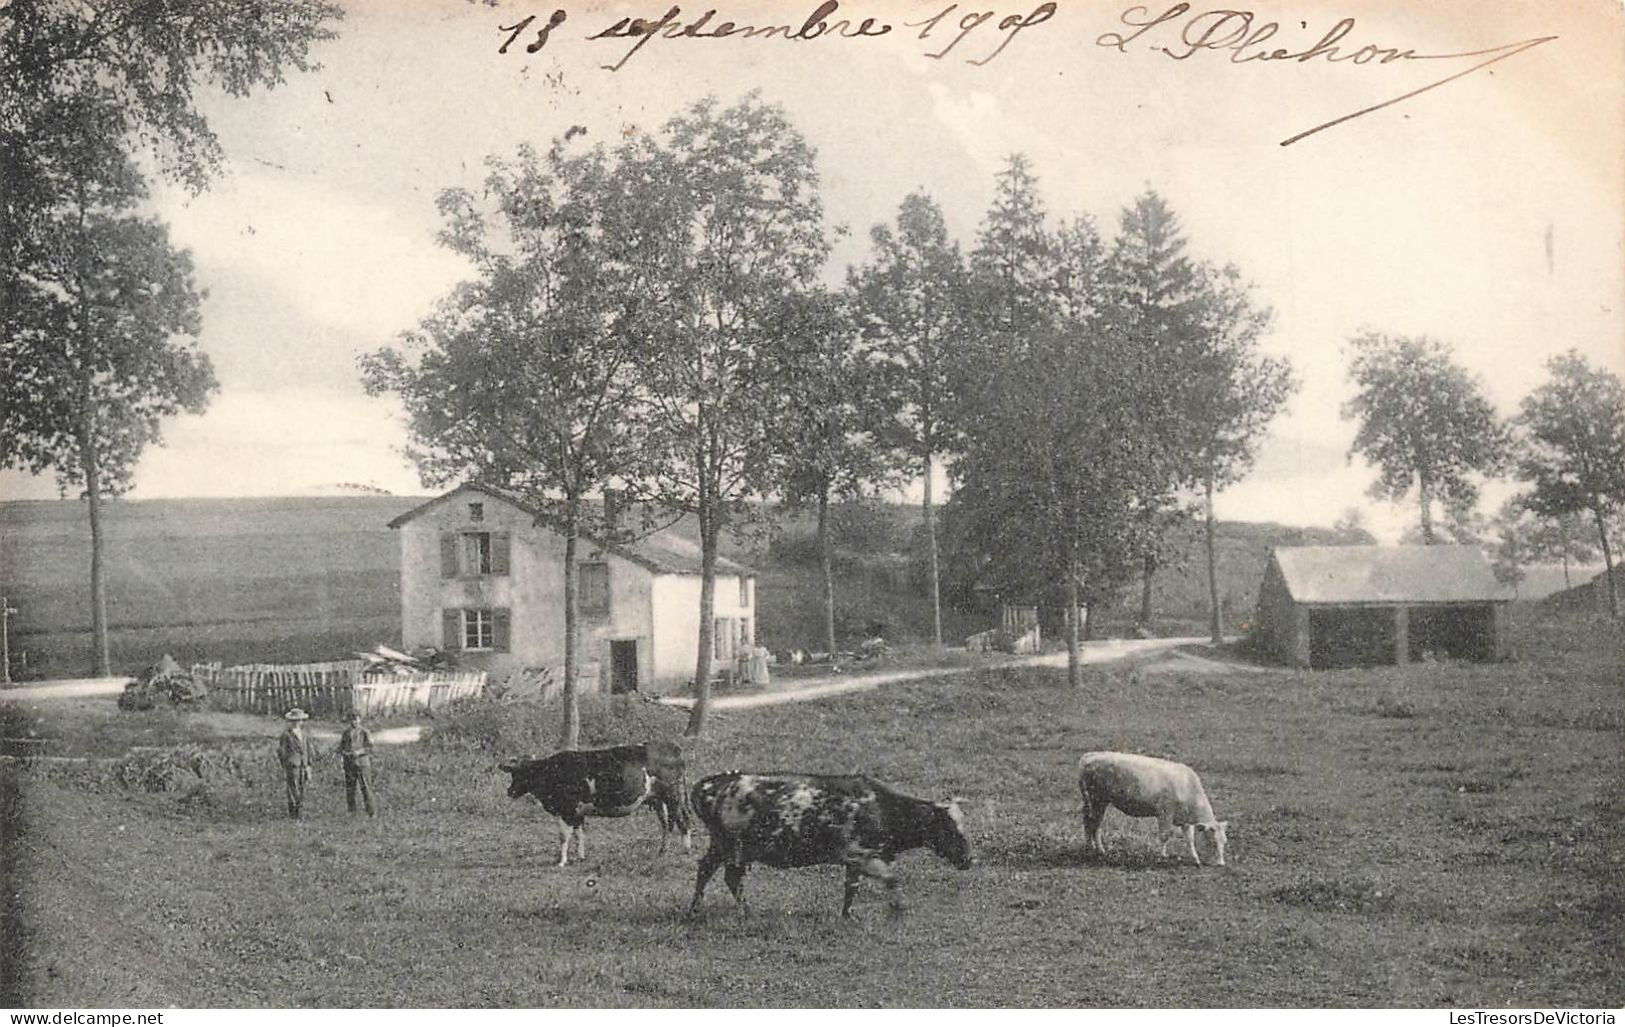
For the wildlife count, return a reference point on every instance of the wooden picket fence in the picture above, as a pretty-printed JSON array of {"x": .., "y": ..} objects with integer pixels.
[
  {"x": 418, "y": 691},
  {"x": 333, "y": 689}
]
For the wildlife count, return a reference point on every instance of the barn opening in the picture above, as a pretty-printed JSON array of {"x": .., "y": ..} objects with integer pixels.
[
  {"x": 1463, "y": 632},
  {"x": 1350, "y": 637}
]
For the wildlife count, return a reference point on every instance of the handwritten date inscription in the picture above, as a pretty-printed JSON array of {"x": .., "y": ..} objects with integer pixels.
[
  {"x": 821, "y": 23},
  {"x": 1177, "y": 34},
  {"x": 1180, "y": 35}
]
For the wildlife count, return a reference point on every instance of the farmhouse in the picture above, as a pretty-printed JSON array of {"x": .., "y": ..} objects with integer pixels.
[
  {"x": 1350, "y": 606},
  {"x": 482, "y": 573}
]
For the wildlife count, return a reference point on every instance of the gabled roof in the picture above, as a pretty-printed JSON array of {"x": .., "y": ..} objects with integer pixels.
[
  {"x": 663, "y": 552},
  {"x": 1389, "y": 574}
]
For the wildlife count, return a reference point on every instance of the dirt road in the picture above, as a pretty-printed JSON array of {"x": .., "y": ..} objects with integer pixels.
[{"x": 1103, "y": 651}]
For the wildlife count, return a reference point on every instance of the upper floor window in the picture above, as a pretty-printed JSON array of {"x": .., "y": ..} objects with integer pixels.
[
  {"x": 476, "y": 511},
  {"x": 745, "y": 590},
  {"x": 468, "y": 554},
  {"x": 592, "y": 587}
]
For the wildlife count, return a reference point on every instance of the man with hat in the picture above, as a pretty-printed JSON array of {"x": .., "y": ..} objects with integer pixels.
[
  {"x": 293, "y": 752},
  {"x": 355, "y": 745}
]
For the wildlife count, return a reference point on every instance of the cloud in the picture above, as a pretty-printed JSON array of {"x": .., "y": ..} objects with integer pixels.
[
  {"x": 341, "y": 262},
  {"x": 291, "y": 442}
]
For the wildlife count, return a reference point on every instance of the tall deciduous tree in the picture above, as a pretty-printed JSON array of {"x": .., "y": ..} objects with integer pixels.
[
  {"x": 525, "y": 377},
  {"x": 1424, "y": 423},
  {"x": 1574, "y": 452},
  {"x": 1233, "y": 393},
  {"x": 78, "y": 83},
  {"x": 909, "y": 302},
  {"x": 99, "y": 330},
  {"x": 1048, "y": 474},
  {"x": 735, "y": 225},
  {"x": 830, "y": 438}
]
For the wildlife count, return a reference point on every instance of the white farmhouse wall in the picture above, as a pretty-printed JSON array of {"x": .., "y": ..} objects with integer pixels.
[{"x": 657, "y": 612}]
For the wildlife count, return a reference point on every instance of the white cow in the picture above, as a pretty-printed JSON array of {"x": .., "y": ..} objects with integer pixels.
[{"x": 1144, "y": 786}]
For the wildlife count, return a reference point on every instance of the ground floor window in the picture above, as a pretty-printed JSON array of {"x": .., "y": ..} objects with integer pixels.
[
  {"x": 724, "y": 638},
  {"x": 477, "y": 628}
]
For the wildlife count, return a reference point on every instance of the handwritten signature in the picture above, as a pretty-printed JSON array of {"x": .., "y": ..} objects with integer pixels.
[{"x": 1245, "y": 36}]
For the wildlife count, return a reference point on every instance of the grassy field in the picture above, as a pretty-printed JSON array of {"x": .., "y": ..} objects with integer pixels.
[{"x": 1438, "y": 835}]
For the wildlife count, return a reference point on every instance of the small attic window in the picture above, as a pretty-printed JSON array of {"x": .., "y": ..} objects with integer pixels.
[{"x": 476, "y": 511}]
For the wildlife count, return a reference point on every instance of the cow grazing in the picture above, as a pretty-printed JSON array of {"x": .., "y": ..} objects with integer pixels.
[
  {"x": 577, "y": 784},
  {"x": 1144, "y": 786},
  {"x": 796, "y": 820}
]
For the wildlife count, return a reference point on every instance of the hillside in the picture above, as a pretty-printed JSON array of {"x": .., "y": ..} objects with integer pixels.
[{"x": 299, "y": 579}]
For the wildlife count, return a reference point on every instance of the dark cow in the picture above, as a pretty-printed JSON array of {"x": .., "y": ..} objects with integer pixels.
[
  {"x": 577, "y": 784},
  {"x": 797, "y": 820}
]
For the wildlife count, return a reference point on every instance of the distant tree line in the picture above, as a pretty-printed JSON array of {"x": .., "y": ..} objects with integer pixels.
[{"x": 1425, "y": 425}]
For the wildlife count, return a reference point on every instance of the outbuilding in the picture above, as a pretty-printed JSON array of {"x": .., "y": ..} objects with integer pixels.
[
  {"x": 482, "y": 573},
  {"x": 1356, "y": 606}
]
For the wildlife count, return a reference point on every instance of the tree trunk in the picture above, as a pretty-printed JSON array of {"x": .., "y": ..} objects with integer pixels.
[
  {"x": 1426, "y": 491},
  {"x": 1607, "y": 562},
  {"x": 90, "y": 454},
  {"x": 570, "y": 727},
  {"x": 1567, "y": 584},
  {"x": 826, "y": 557},
  {"x": 931, "y": 542},
  {"x": 1148, "y": 567},
  {"x": 708, "y": 606},
  {"x": 1215, "y": 628},
  {"x": 1074, "y": 654}
]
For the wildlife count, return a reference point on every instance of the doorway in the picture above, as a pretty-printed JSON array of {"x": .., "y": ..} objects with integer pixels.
[{"x": 623, "y": 667}]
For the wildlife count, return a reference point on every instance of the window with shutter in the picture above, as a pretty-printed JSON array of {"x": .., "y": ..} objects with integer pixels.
[
  {"x": 451, "y": 629},
  {"x": 479, "y": 629},
  {"x": 501, "y": 633},
  {"x": 448, "y": 555},
  {"x": 476, "y": 552},
  {"x": 592, "y": 588},
  {"x": 501, "y": 550}
]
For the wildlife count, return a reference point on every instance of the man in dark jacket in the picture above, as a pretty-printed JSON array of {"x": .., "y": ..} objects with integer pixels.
[
  {"x": 355, "y": 745},
  {"x": 293, "y": 752}
]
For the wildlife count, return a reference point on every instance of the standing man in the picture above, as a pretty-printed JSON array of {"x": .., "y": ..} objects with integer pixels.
[
  {"x": 355, "y": 745},
  {"x": 293, "y": 752}
]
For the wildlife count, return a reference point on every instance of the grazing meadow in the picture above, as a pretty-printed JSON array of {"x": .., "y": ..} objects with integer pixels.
[{"x": 1437, "y": 835}]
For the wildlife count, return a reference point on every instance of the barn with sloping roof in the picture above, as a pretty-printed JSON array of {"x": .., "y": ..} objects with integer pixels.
[{"x": 1358, "y": 606}]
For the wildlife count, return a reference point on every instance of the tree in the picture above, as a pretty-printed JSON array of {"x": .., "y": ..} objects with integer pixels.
[
  {"x": 525, "y": 377},
  {"x": 78, "y": 83},
  {"x": 1423, "y": 423},
  {"x": 829, "y": 438},
  {"x": 1573, "y": 455},
  {"x": 734, "y": 227},
  {"x": 1210, "y": 394},
  {"x": 1048, "y": 475},
  {"x": 140, "y": 63},
  {"x": 1350, "y": 528},
  {"x": 1561, "y": 539},
  {"x": 132, "y": 69},
  {"x": 1235, "y": 392},
  {"x": 99, "y": 331},
  {"x": 908, "y": 301},
  {"x": 1153, "y": 292}
]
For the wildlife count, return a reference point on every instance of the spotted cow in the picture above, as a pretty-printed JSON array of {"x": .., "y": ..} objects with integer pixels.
[
  {"x": 576, "y": 784},
  {"x": 796, "y": 820}
]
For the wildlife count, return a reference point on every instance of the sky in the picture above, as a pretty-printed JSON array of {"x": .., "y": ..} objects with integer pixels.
[{"x": 1488, "y": 212}]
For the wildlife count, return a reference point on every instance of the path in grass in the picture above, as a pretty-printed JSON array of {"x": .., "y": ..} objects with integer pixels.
[{"x": 1103, "y": 651}]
